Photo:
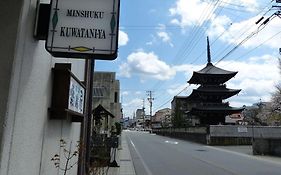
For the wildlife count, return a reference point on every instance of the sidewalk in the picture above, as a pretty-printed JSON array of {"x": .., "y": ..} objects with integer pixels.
[{"x": 124, "y": 160}]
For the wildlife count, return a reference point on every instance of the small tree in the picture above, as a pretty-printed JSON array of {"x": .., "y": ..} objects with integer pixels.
[
  {"x": 178, "y": 120},
  {"x": 118, "y": 128},
  {"x": 68, "y": 155}
]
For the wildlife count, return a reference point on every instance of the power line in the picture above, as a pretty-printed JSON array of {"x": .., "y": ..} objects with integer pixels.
[
  {"x": 270, "y": 38},
  {"x": 172, "y": 97},
  {"x": 194, "y": 38},
  {"x": 184, "y": 51},
  {"x": 247, "y": 27},
  {"x": 261, "y": 27}
]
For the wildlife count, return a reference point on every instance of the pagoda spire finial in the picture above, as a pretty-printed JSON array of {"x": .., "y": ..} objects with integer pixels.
[{"x": 208, "y": 50}]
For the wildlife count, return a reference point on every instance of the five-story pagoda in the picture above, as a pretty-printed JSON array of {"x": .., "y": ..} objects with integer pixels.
[{"x": 208, "y": 99}]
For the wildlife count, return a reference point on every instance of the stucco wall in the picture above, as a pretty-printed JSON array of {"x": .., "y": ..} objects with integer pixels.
[
  {"x": 245, "y": 131},
  {"x": 30, "y": 138}
]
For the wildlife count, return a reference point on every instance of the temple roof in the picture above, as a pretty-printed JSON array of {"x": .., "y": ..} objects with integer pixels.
[
  {"x": 220, "y": 91},
  {"x": 227, "y": 110},
  {"x": 210, "y": 71}
]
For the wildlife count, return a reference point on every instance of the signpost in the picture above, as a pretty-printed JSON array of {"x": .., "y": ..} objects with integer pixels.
[
  {"x": 84, "y": 29},
  {"x": 242, "y": 129}
]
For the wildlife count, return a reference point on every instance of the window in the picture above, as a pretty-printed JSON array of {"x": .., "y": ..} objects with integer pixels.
[
  {"x": 116, "y": 97},
  {"x": 98, "y": 92}
]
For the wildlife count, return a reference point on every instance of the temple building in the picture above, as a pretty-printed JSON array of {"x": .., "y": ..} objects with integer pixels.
[{"x": 208, "y": 100}]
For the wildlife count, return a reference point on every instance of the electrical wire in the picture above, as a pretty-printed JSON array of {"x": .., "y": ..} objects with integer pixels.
[
  {"x": 247, "y": 38},
  {"x": 260, "y": 28},
  {"x": 270, "y": 38},
  {"x": 196, "y": 36},
  {"x": 183, "y": 50},
  {"x": 194, "y": 61},
  {"x": 247, "y": 27},
  {"x": 172, "y": 98}
]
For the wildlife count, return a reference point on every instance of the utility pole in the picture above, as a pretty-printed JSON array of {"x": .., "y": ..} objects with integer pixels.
[
  {"x": 150, "y": 100},
  {"x": 143, "y": 114},
  {"x": 277, "y": 13}
]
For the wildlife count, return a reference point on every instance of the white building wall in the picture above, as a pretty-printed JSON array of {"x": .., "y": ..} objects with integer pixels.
[{"x": 29, "y": 137}]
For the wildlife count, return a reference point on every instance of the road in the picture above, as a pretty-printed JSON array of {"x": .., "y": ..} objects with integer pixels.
[{"x": 157, "y": 155}]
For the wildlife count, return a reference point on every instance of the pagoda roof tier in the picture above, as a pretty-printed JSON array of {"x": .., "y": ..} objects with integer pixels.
[
  {"x": 215, "y": 110},
  {"x": 211, "y": 74},
  {"x": 221, "y": 92}
]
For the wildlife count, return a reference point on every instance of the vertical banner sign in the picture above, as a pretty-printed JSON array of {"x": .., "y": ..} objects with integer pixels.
[
  {"x": 84, "y": 28},
  {"x": 76, "y": 96}
]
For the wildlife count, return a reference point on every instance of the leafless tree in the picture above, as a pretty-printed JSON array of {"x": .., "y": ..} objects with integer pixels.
[{"x": 271, "y": 113}]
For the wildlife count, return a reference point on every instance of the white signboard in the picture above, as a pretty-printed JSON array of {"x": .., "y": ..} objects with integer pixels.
[
  {"x": 83, "y": 28},
  {"x": 76, "y": 96},
  {"x": 242, "y": 129}
]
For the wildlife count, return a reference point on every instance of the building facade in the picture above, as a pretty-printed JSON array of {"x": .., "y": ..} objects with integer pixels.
[
  {"x": 29, "y": 138},
  {"x": 106, "y": 92},
  {"x": 140, "y": 117},
  {"x": 163, "y": 116}
]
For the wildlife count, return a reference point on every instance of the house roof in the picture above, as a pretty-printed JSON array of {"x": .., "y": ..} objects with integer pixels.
[{"x": 100, "y": 112}]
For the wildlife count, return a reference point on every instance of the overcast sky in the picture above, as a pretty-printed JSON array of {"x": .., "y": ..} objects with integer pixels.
[{"x": 161, "y": 42}]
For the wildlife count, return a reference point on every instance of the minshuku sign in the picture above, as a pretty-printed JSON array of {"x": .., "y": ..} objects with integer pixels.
[{"x": 84, "y": 29}]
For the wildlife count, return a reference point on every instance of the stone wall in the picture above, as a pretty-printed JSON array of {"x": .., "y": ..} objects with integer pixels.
[
  {"x": 263, "y": 146},
  {"x": 222, "y": 134},
  {"x": 245, "y": 131},
  {"x": 195, "y": 134}
]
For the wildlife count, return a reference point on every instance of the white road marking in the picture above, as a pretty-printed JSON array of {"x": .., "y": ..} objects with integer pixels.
[
  {"x": 171, "y": 142},
  {"x": 141, "y": 159}
]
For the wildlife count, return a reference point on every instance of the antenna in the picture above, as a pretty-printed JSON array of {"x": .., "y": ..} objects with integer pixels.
[{"x": 208, "y": 51}]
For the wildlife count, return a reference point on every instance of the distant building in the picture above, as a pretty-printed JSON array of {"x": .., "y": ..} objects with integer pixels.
[
  {"x": 140, "y": 114},
  {"x": 140, "y": 117},
  {"x": 236, "y": 118},
  {"x": 179, "y": 103},
  {"x": 182, "y": 105},
  {"x": 106, "y": 104},
  {"x": 163, "y": 116},
  {"x": 106, "y": 92}
]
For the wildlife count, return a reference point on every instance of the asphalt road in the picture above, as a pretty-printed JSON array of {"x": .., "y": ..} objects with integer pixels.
[{"x": 157, "y": 155}]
